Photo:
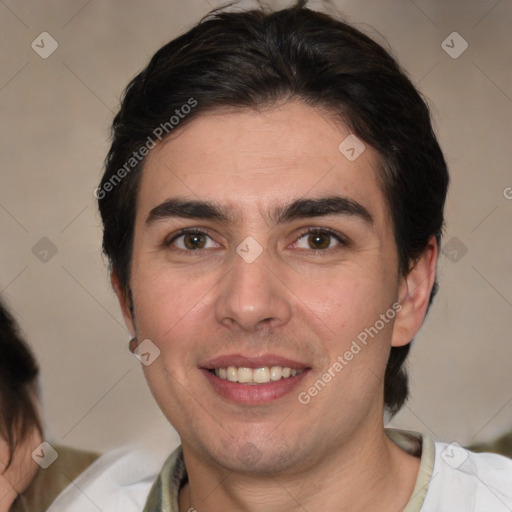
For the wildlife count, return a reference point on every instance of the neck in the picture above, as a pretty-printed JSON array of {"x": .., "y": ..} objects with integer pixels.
[
  {"x": 351, "y": 478},
  {"x": 22, "y": 469},
  {"x": 7, "y": 494}
]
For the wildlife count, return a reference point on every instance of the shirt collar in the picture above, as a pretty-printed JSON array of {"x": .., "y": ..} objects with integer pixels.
[{"x": 164, "y": 494}]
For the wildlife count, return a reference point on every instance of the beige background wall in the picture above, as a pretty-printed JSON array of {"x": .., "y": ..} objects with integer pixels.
[{"x": 55, "y": 118}]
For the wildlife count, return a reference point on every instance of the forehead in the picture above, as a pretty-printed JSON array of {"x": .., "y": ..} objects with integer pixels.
[{"x": 254, "y": 161}]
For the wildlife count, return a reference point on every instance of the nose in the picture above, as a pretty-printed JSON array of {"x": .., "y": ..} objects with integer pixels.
[{"x": 251, "y": 296}]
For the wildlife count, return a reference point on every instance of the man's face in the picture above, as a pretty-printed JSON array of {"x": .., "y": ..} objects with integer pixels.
[{"x": 295, "y": 295}]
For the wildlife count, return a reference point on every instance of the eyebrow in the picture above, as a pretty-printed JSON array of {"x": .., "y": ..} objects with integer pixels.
[
  {"x": 298, "y": 209},
  {"x": 322, "y": 207},
  {"x": 187, "y": 209}
]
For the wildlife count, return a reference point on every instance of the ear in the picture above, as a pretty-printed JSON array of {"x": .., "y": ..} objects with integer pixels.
[
  {"x": 124, "y": 301},
  {"x": 414, "y": 295}
]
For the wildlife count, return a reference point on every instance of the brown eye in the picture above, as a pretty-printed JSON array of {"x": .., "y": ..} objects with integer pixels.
[
  {"x": 319, "y": 240},
  {"x": 194, "y": 241}
]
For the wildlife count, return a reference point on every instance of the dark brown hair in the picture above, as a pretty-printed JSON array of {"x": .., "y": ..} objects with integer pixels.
[
  {"x": 18, "y": 374},
  {"x": 258, "y": 59}
]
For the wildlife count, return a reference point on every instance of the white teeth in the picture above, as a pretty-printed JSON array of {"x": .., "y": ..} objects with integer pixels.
[
  {"x": 276, "y": 372},
  {"x": 231, "y": 374},
  {"x": 244, "y": 375},
  {"x": 260, "y": 375}
]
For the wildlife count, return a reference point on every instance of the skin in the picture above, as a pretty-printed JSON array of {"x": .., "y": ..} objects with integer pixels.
[
  {"x": 17, "y": 477},
  {"x": 304, "y": 304}
]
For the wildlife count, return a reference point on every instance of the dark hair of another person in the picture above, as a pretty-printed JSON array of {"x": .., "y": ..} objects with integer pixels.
[
  {"x": 18, "y": 374},
  {"x": 258, "y": 59}
]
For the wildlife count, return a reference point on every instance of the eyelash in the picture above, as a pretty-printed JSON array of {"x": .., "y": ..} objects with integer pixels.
[
  {"x": 185, "y": 231},
  {"x": 343, "y": 241}
]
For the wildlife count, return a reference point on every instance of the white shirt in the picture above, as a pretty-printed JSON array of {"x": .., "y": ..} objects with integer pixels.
[
  {"x": 463, "y": 481},
  {"x": 450, "y": 479}
]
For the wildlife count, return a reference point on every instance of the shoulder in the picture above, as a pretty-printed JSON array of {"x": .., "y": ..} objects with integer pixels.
[
  {"x": 118, "y": 480},
  {"x": 53, "y": 479},
  {"x": 463, "y": 480}
]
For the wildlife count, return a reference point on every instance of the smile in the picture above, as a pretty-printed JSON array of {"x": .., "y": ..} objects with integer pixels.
[{"x": 254, "y": 376}]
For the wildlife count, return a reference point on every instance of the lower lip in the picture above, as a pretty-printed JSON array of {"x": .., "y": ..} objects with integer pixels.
[{"x": 253, "y": 394}]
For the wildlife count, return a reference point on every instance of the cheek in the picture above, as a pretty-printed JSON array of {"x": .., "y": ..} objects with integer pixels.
[
  {"x": 345, "y": 312},
  {"x": 165, "y": 301},
  {"x": 332, "y": 306},
  {"x": 344, "y": 301},
  {"x": 4, "y": 454}
]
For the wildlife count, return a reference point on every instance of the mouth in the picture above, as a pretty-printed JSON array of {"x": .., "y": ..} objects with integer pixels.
[
  {"x": 253, "y": 381},
  {"x": 256, "y": 376}
]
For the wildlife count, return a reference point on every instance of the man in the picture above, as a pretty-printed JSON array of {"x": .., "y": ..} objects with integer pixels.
[{"x": 272, "y": 208}]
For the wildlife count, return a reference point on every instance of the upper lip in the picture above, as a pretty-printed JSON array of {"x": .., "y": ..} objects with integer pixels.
[{"x": 243, "y": 361}]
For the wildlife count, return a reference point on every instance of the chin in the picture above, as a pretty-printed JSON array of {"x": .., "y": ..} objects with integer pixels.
[{"x": 256, "y": 457}]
